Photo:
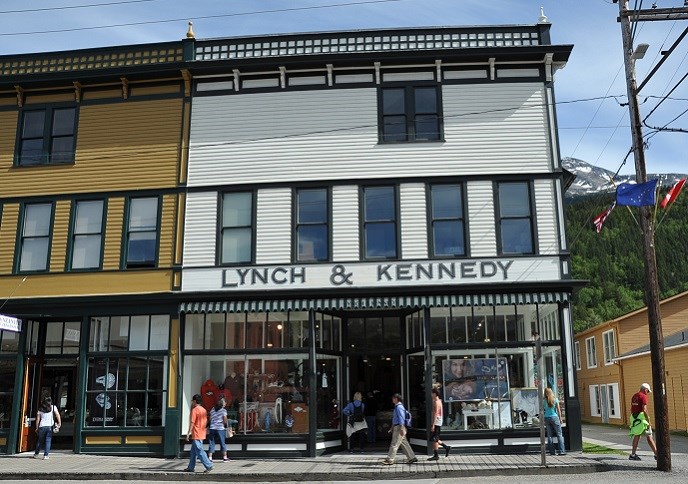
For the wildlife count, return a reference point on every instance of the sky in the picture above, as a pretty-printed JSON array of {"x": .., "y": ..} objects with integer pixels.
[{"x": 590, "y": 90}]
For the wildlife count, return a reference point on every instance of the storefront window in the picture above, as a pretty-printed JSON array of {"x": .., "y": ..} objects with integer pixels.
[
  {"x": 112, "y": 333},
  {"x": 329, "y": 405},
  {"x": 9, "y": 341},
  {"x": 415, "y": 400},
  {"x": 8, "y": 369},
  {"x": 414, "y": 330},
  {"x": 62, "y": 337}
]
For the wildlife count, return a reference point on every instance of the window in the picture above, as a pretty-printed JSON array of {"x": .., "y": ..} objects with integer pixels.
[
  {"x": 591, "y": 352},
  {"x": 576, "y": 355},
  {"x": 447, "y": 221},
  {"x": 35, "y": 237},
  {"x": 379, "y": 223},
  {"x": 62, "y": 338},
  {"x": 236, "y": 232},
  {"x": 87, "y": 234},
  {"x": 613, "y": 397},
  {"x": 595, "y": 404},
  {"x": 609, "y": 344},
  {"x": 312, "y": 225},
  {"x": 410, "y": 113},
  {"x": 47, "y": 136},
  {"x": 515, "y": 218},
  {"x": 142, "y": 233}
]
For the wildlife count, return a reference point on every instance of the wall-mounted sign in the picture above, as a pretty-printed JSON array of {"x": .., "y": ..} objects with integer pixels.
[
  {"x": 367, "y": 274},
  {"x": 8, "y": 323}
]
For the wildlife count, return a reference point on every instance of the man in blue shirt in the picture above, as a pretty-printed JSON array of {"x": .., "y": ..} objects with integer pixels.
[{"x": 398, "y": 431}]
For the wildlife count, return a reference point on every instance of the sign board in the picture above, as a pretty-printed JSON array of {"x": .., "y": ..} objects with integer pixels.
[{"x": 8, "y": 323}]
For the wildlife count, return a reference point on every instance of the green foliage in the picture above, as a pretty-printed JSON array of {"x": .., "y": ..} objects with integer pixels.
[{"x": 613, "y": 260}]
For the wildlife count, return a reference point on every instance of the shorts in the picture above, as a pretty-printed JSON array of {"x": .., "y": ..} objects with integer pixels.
[{"x": 435, "y": 437}]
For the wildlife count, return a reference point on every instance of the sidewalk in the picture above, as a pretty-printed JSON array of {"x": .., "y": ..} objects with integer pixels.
[{"x": 336, "y": 467}]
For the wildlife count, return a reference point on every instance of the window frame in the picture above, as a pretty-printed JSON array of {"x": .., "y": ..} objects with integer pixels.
[
  {"x": 296, "y": 225},
  {"x": 221, "y": 228},
  {"x": 410, "y": 111},
  {"x": 608, "y": 356},
  {"x": 363, "y": 223},
  {"x": 614, "y": 400},
  {"x": 46, "y": 150},
  {"x": 431, "y": 220},
  {"x": 577, "y": 354},
  {"x": 532, "y": 217},
  {"x": 21, "y": 238},
  {"x": 588, "y": 353},
  {"x": 127, "y": 231},
  {"x": 595, "y": 401},
  {"x": 72, "y": 235}
]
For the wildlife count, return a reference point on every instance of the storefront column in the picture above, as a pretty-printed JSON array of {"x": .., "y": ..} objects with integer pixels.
[
  {"x": 80, "y": 415},
  {"x": 573, "y": 411},
  {"x": 428, "y": 372},
  {"x": 173, "y": 421},
  {"x": 312, "y": 390}
]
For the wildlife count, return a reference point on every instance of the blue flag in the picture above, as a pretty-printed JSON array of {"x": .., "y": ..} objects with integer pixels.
[{"x": 636, "y": 194}]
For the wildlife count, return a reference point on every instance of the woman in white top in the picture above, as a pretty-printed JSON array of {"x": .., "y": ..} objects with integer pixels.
[
  {"x": 48, "y": 416},
  {"x": 217, "y": 430}
]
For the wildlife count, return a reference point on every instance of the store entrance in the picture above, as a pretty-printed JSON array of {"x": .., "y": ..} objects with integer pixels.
[{"x": 57, "y": 379}]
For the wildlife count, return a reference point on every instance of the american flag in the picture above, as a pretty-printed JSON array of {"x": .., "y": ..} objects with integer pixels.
[{"x": 601, "y": 218}]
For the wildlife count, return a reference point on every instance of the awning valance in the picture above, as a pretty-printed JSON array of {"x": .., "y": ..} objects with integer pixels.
[{"x": 367, "y": 303}]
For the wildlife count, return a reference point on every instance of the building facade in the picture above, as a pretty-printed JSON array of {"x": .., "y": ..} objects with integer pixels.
[
  {"x": 612, "y": 361},
  {"x": 376, "y": 211}
]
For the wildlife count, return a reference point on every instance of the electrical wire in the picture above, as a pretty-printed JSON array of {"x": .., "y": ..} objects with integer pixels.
[{"x": 71, "y": 7}]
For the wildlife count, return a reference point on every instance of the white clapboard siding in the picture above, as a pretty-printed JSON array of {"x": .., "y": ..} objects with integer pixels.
[
  {"x": 273, "y": 226},
  {"x": 332, "y": 134},
  {"x": 548, "y": 240},
  {"x": 413, "y": 216},
  {"x": 481, "y": 219},
  {"x": 200, "y": 230},
  {"x": 345, "y": 226}
]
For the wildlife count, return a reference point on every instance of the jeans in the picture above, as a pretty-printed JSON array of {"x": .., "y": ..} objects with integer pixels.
[
  {"x": 372, "y": 430},
  {"x": 553, "y": 426},
  {"x": 399, "y": 440},
  {"x": 216, "y": 434},
  {"x": 196, "y": 451},
  {"x": 45, "y": 438}
]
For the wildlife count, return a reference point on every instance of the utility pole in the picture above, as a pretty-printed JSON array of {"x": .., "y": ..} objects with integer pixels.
[{"x": 661, "y": 409}]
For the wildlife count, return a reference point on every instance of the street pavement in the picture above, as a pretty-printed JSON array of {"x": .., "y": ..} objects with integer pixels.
[{"x": 348, "y": 468}]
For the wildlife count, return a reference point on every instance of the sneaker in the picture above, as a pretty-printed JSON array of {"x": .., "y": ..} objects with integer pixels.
[
  {"x": 388, "y": 462},
  {"x": 225, "y": 459},
  {"x": 412, "y": 461},
  {"x": 210, "y": 459},
  {"x": 447, "y": 449},
  {"x": 36, "y": 456},
  {"x": 634, "y": 457},
  {"x": 45, "y": 457},
  {"x": 207, "y": 470},
  {"x": 434, "y": 457},
  {"x": 187, "y": 470}
]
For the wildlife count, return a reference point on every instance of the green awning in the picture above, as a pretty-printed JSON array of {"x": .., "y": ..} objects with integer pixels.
[{"x": 354, "y": 303}]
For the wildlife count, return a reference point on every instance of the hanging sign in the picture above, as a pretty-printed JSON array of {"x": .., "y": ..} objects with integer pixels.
[{"x": 8, "y": 323}]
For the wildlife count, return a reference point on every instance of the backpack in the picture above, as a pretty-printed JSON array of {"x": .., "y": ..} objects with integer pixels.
[
  {"x": 357, "y": 416},
  {"x": 407, "y": 419}
]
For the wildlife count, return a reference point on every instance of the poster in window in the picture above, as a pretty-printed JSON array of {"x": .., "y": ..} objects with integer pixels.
[
  {"x": 102, "y": 401},
  {"x": 475, "y": 379}
]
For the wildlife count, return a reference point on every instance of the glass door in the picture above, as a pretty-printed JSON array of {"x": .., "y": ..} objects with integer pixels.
[{"x": 30, "y": 403}]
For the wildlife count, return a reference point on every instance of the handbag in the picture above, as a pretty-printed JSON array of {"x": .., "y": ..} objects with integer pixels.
[
  {"x": 56, "y": 428},
  {"x": 230, "y": 432}
]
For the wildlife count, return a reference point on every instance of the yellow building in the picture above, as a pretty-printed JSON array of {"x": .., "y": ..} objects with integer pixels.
[{"x": 612, "y": 360}]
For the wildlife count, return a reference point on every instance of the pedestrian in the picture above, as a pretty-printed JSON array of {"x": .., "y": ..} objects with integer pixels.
[
  {"x": 218, "y": 429},
  {"x": 198, "y": 421},
  {"x": 640, "y": 421},
  {"x": 356, "y": 426},
  {"x": 553, "y": 422},
  {"x": 437, "y": 422},
  {"x": 47, "y": 421},
  {"x": 400, "y": 423},
  {"x": 371, "y": 417}
]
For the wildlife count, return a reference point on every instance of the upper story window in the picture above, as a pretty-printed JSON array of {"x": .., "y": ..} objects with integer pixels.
[
  {"x": 87, "y": 234},
  {"x": 142, "y": 233},
  {"x": 35, "y": 237},
  {"x": 515, "y": 220},
  {"x": 411, "y": 113},
  {"x": 448, "y": 223},
  {"x": 379, "y": 223},
  {"x": 591, "y": 352},
  {"x": 236, "y": 231},
  {"x": 47, "y": 136},
  {"x": 609, "y": 343},
  {"x": 312, "y": 225}
]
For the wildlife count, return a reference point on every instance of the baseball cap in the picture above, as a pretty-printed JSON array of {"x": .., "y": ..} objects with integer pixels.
[{"x": 646, "y": 386}]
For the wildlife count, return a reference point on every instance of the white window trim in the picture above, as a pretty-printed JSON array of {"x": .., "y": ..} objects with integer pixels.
[
  {"x": 594, "y": 397},
  {"x": 587, "y": 352},
  {"x": 609, "y": 360},
  {"x": 613, "y": 389},
  {"x": 577, "y": 354}
]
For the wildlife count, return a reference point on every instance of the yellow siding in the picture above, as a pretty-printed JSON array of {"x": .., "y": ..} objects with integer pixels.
[
  {"x": 8, "y": 236},
  {"x": 102, "y": 94},
  {"x": 88, "y": 284},
  {"x": 148, "y": 90},
  {"x": 167, "y": 231},
  {"x": 113, "y": 234},
  {"x": 120, "y": 146},
  {"x": 8, "y": 101},
  {"x": 49, "y": 98},
  {"x": 58, "y": 251}
]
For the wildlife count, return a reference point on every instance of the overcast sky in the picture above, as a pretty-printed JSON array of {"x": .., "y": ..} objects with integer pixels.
[{"x": 595, "y": 131}]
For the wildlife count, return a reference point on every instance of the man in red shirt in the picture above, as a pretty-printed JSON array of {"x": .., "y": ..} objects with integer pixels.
[
  {"x": 198, "y": 421},
  {"x": 640, "y": 421}
]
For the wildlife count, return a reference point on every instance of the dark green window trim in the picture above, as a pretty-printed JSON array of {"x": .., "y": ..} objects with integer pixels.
[
  {"x": 224, "y": 228},
  {"x": 128, "y": 231},
  {"x": 22, "y": 238},
  {"x": 55, "y": 143},
  {"x": 73, "y": 235}
]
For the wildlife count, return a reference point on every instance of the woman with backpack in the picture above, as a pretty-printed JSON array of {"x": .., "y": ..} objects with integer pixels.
[
  {"x": 47, "y": 419},
  {"x": 356, "y": 426}
]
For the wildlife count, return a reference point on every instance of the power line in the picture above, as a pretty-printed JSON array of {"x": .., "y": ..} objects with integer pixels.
[
  {"x": 204, "y": 17},
  {"x": 71, "y": 7}
]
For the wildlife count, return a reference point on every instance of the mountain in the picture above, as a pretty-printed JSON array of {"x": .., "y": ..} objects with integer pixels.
[{"x": 592, "y": 179}]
